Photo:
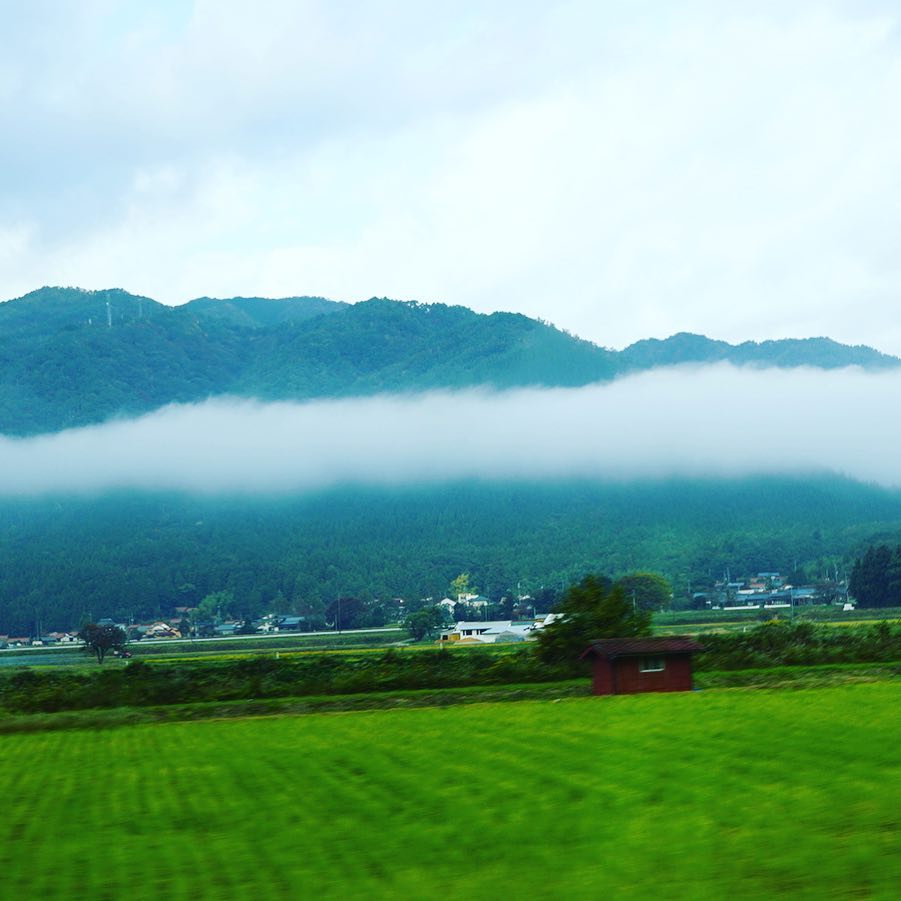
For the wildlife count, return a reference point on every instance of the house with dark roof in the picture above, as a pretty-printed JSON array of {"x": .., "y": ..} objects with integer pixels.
[
  {"x": 632, "y": 665},
  {"x": 290, "y": 624}
]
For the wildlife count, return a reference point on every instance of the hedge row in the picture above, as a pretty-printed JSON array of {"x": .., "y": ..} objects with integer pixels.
[
  {"x": 781, "y": 643},
  {"x": 141, "y": 684}
]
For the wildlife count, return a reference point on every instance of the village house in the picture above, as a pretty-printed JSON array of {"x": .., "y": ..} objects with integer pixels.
[
  {"x": 162, "y": 630},
  {"x": 290, "y": 624}
]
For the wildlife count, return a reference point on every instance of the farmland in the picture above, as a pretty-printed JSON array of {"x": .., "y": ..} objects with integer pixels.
[
  {"x": 210, "y": 648},
  {"x": 707, "y": 794}
]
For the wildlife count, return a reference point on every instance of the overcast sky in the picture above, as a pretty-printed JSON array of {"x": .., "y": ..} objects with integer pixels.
[
  {"x": 622, "y": 169},
  {"x": 684, "y": 421}
]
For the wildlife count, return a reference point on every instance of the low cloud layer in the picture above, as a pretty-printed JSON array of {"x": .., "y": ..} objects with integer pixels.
[{"x": 688, "y": 421}]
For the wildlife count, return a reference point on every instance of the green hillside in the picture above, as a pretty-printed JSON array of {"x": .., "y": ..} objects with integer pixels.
[
  {"x": 383, "y": 345},
  {"x": 822, "y": 353},
  {"x": 260, "y": 312},
  {"x": 141, "y": 555},
  {"x": 70, "y": 357}
]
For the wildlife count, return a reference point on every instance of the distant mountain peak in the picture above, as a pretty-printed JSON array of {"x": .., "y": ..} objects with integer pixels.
[
  {"x": 686, "y": 347},
  {"x": 261, "y": 312}
]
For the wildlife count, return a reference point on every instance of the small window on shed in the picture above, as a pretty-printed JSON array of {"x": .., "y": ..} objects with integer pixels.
[{"x": 651, "y": 664}]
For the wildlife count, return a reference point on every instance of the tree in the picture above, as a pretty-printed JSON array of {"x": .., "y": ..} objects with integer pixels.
[
  {"x": 313, "y": 611},
  {"x": 460, "y": 586},
  {"x": 876, "y": 579},
  {"x": 100, "y": 639},
  {"x": 544, "y": 599},
  {"x": 649, "y": 591},
  {"x": 215, "y": 606},
  {"x": 344, "y": 613},
  {"x": 594, "y": 608},
  {"x": 424, "y": 623},
  {"x": 280, "y": 604}
]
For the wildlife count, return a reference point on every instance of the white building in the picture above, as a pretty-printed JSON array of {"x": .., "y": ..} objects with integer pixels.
[{"x": 487, "y": 632}]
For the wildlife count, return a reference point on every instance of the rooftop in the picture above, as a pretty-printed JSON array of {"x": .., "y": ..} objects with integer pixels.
[{"x": 628, "y": 647}]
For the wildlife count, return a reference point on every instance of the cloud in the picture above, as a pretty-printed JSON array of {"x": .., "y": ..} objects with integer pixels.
[
  {"x": 621, "y": 169},
  {"x": 716, "y": 421}
]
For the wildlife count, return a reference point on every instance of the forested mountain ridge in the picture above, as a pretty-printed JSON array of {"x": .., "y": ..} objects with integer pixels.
[
  {"x": 127, "y": 554},
  {"x": 261, "y": 312},
  {"x": 822, "y": 353},
  {"x": 70, "y": 357}
]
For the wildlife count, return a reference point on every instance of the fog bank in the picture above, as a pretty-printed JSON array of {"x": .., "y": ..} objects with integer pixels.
[{"x": 686, "y": 421}]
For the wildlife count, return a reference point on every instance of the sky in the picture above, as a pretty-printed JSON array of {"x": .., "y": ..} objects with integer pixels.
[
  {"x": 621, "y": 169},
  {"x": 689, "y": 422}
]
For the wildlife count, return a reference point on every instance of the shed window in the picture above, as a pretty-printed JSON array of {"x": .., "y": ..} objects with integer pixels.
[{"x": 651, "y": 664}]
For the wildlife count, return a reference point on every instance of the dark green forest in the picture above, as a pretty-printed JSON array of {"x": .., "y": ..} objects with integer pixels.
[
  {"x": 70, "y": 357},
  {"x": 64, "y": 561}
]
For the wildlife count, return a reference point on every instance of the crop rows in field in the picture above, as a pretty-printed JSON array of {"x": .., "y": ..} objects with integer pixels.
[{"x": 710, "y": 794}]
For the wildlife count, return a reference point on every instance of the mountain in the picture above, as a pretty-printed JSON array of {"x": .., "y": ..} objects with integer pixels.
[
  {"x": 261, "y": 312},
  {"x": 383, "y": 345},
  {"x": 822, "y": 353},
  {"x": 126, "y": 554},
  {"x": 70, "y": 357}
]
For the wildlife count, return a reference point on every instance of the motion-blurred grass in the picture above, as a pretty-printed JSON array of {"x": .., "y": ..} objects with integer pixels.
[{"x": 699, "y": 795}]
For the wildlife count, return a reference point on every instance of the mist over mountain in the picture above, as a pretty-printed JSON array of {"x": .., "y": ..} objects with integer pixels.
[
  {"x": 290, "y": 451},
  {"x": 70, "y": 357}
]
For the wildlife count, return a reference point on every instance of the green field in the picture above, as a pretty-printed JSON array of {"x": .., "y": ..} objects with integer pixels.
[
  {"x": 699, "y": 795},
  {"x": 208, "y": 649}
]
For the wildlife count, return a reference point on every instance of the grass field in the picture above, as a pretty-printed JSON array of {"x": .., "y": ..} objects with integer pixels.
[{"x": 709, "y": 794}]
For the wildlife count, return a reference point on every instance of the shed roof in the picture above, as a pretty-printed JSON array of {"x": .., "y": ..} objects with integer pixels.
[
  {"x": 484, "y": 625},
  {"x": 632, "y": 647}
]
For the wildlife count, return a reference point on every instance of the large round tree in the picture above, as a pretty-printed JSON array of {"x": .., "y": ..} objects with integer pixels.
[
  {"x": 100, "y": 639},
  {"x": 594, "y": 608}
]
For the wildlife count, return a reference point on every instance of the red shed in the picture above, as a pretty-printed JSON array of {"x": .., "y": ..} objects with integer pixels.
[{"x": 629, "y": 665}]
